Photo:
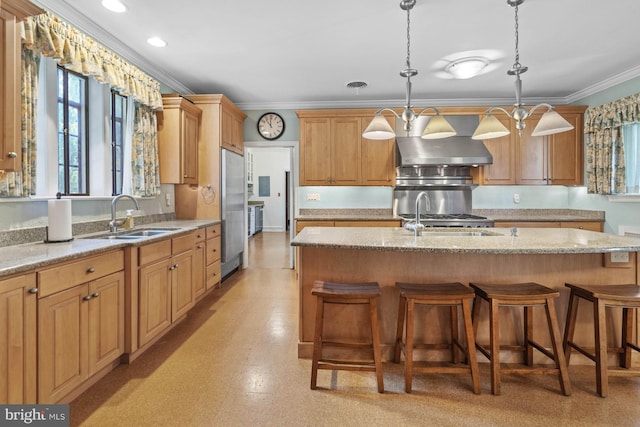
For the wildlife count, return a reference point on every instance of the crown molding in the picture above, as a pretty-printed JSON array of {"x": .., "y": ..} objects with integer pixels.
[{"x": 604, "y": 84}]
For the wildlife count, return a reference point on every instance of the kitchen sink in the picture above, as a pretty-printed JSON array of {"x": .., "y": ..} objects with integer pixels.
[
  {"x": 132, "y": 235},
  {"x": 458, "y": 233},
  {"x": 148, "y": 232}
]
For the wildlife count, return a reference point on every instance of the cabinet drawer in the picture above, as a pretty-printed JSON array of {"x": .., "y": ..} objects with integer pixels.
[
  {"x": 154, "y": 252},
  {"x": 66, "y": 276},
  {"x": 213, "y": 231},
  {"x": 183, "y": 243},
  {"x": 213, "y": 250},
  {"x": 213, "y": 274},
  {"x": 200, "y": 235}
]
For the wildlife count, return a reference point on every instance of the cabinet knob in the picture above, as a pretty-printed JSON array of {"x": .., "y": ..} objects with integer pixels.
[
  {"x": 12, "y": 154},
  {"x": 86, "y": 297},
  {"x": 91, "y": 270},
  {"x": 185, "y": 176},
  {"x": 95, "y": 294},
  {"x": 173, "y": 267},
  {"x": 33, "y": 291}
]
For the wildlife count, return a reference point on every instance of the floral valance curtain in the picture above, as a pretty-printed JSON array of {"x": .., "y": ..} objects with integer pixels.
[
  {"x": 604, "y": 148},
  {"x": 52, "y": 37}
]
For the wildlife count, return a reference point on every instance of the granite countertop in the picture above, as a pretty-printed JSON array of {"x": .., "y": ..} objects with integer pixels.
[
  {"x": 346, "y": 214},
  {"x": 498, "y": 240},
  {"x": 28, "y": 256}
]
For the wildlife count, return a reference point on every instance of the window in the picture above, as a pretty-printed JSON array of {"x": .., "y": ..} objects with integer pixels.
[
  {"x": 73, "y": 166},
  {"x": 118, "y": 114},
  {"x": 631, "y": 138}
]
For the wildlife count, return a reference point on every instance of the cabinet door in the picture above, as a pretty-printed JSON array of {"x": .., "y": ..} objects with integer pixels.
[
  {"x": 502, "y": 171},
  {"x": 231, "y": 132},
  {"x": 199, "y": 254},
  {"x": 62, "y": 343},
  {"x": 378, "y": 158},
  {"x": 190, "y": 124},
  {"x": 345, "y": 151},
  {"x": 531, "y": 154},
  {"x": 10, "y": 126},
  {"x": 18, "y": 340},
  {"x": 154, "y": 300},
  {"x": 182, "y": 298},
  {"x": 583, "y": 225},
  {"x": 315, "y": 151},
  {"x": 106, "y": 321},
  {"x": 565, "y": 154}
]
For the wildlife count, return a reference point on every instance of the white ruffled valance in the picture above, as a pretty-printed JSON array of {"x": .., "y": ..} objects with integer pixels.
[{"x": 52, "y": 37}]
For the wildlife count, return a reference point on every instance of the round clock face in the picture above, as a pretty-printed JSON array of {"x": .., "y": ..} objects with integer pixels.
[{"x": 270, "y": 126}]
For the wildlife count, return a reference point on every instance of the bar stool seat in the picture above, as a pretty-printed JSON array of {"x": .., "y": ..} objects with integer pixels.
[
  {"x": 453, "y": 295},
  {"x": 625, "y": 296},
  {"x": 527, "y": 295},
  {"x": 346, "y": 293}
]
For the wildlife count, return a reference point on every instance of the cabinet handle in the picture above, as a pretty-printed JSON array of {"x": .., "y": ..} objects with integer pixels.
[
  {"x": 185, "y": 176},
  {"x": 12, "y": 154},
  {"x": 33, "y": 291},
  {"x": 86, "y": 297},
  {"x": 173, "y": 267},
  {"x": 95, "y": 294},
  {"x": 91, "y": 270},
  {"x": 199, "y": 247}
]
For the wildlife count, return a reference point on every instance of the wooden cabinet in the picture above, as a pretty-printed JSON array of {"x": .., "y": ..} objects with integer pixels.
[
  {"x": 213, "y": 269},
  {"x": 300, "y": 224},
  {"x": 18, "y": 297},
  {"x": 80, "y": 326},
  {"x": 221, "y": 122},
  {"x": 333, "y": 151},
  {"x": 537, "y": 160},
  {"x": 178, "y": 127},
  {"x": 582, "y": 225},
  {"x": 11, "y": 13},
  {"x": 166, "y": 284},
  {"x": 199, "y": 254}
]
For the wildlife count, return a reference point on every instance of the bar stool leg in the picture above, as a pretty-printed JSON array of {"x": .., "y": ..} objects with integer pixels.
[
  {"x": 601, "y": 348},
  {"x": 627, "y": 328},
  {"x": 408, "y": 348},
  {"x": 570, "y": 328},
  {"x": 402, "y": 308},
  {"x": 375, "y": 337},
  {"x": 454, "y": 334},
  {"x": 471, "y": 346},
  {"x": 528, "y": 335},
  {"x": 494, "y": 337},
  {"x": 554, "y": 333},
  {"x": 317, "y": 341}
]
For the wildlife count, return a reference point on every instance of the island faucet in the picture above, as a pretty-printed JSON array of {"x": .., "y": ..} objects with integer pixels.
[
  {"x": 113, "y": 225},
  {"x": 417, "y": 226}
]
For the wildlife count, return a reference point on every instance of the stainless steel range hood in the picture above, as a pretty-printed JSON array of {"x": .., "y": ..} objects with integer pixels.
[{"x": 454, "y": 151}]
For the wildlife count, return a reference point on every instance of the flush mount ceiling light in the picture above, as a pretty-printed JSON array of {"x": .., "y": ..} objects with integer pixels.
[
  {"x": 156, "y": 42},
  {"x": 550, "y": 123},
  {"x": 438, "y": 127},
  {"x": 114, "y": 6},
  {"x": 465, "y": 68}
]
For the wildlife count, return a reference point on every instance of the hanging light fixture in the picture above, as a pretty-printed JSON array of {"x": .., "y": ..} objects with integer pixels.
[
  {"x": 550, "y": 123},
  {"x": 438, "y": 126}
]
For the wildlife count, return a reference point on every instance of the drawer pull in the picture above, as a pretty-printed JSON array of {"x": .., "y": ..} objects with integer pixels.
[
  {"x": 91, "y": 270},
  {"x": 12, "y": 154},
  {"x": 33, "y": 290},
  {"x": 86, "y": 297},
  {"x": 173, "y": 267},
  {"x": 95, "y": 294}
]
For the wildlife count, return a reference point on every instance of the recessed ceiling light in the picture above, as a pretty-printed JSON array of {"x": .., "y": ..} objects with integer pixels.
[
  {"x": 156, "y": 41},
  {"x": 114, "y": 6}
]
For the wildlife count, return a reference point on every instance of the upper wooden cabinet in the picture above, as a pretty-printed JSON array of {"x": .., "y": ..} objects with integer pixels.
[
  {"x": 232, "y": 121},
  {"x": 333, "y": 151},
  {"x": 178, "y": 125},
  {"x": 537, "y": 160},
  {"x": 11, "y": 13}
]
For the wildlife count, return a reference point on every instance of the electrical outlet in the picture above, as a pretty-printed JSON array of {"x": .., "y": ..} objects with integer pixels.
[
  {"x": 516, "y": 198},
  {"x": 619, "y": 256},
  {"x": 167, "y": 198},
  {"x": 313, "y": 196}
]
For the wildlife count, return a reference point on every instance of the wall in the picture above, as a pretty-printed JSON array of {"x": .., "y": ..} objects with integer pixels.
[{"x": 272, "y": 163}]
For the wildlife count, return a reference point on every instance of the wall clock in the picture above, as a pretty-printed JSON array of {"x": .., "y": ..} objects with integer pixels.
[{"x": 271, "y": 126}]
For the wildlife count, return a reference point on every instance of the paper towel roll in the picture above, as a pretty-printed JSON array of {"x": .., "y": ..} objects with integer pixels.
[{"x": 59, "y": 220}]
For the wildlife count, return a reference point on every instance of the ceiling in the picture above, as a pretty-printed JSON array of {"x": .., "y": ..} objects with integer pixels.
[{"x": 285, "y": 54}]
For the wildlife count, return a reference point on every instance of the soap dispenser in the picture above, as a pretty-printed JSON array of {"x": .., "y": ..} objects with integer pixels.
[{"x": 128, "y": 222}]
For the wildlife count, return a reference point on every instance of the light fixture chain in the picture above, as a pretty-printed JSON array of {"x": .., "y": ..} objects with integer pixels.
[
  {"x": 408, "y": 38},
  {"x": 517, "y": 64}
]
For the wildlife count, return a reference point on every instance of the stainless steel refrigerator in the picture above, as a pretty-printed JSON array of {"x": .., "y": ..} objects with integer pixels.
[{"x": 232, "y": 210}]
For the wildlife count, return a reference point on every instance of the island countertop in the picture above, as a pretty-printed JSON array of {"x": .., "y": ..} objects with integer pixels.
[{"x": 445, "y": 240}]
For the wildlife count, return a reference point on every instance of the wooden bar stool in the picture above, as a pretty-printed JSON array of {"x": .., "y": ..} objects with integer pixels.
[
  {"x": 453, "y": 295},
  {"x": 527, "y": 295},
  {"x": 346, "y": 293},
  {"x": 602, "y": 296}
]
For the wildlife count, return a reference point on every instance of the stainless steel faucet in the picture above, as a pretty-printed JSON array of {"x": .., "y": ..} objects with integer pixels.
[
  {"x": 417, "y": 226},
  {"x": 113, "y": 225}
]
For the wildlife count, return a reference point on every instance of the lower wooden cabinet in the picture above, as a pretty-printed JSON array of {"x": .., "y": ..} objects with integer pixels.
[
  {"x": 300, "y": 224},
  {"x": 80, "y": 332},
  {"x": 18, "y": 302},
  {"x": 199, "y": 255},
  {"x": 582, "y": 225},
  {"x": 213, "y": 272}
]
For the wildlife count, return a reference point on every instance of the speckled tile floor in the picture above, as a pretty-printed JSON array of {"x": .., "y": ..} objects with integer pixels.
[{"x": 233, "y": 362}]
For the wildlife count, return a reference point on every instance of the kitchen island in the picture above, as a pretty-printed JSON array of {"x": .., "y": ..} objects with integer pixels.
[{"x": 387, "y": 255}]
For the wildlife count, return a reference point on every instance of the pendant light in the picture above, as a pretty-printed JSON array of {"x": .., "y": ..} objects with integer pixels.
[
  {"x": 550, "y": 123},
  {"x": 438, "y": 126}
]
